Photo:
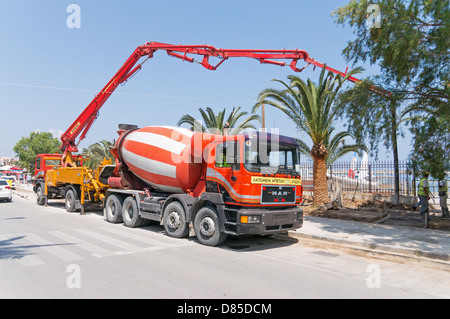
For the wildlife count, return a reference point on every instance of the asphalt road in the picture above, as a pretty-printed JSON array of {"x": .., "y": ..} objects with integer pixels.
[{"x": 46, "y": 252}]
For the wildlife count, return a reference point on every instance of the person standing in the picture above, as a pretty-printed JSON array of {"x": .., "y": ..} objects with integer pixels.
[
  {"x": 443, "y": 195},
  {"x": 424, "y": 195}
]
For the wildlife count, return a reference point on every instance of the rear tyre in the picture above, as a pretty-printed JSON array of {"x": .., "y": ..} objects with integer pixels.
[
  {"x": 207, "y": 227},
  {"x": 71, "y": 198},
  {"x": 174, "y": 221},
  {"x": 113, "y": 209},
  {"x": 130, "y": 213}
]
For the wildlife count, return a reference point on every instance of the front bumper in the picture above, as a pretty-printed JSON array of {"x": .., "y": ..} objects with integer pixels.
[{"x": 271, "y": 221}]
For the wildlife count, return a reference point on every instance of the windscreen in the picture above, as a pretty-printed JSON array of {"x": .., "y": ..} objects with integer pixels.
[{"x": 270, "y": 156}]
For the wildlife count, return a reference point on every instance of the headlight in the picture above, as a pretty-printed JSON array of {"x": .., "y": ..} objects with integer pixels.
[{"x": 255, "y": 219}]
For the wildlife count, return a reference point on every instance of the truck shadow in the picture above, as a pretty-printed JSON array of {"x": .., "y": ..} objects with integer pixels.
[
  {"x": 251, "y": 243},
  {"x": 245, "y": 243}
]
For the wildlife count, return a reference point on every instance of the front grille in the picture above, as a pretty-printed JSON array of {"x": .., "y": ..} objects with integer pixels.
[{"x": 278, "y": 194}]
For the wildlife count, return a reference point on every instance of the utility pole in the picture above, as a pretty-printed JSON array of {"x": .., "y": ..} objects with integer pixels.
[{"x": 263, "y": 118}]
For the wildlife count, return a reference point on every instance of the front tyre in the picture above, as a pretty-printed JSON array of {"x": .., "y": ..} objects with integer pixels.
[
  {"x": 40, "y": 198},
  {"x": 207, "y": 227}
]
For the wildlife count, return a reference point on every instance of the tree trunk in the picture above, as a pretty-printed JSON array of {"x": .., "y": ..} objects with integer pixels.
[
  {"x": 395, "y": 151},
  {"x": 320, "y": 193}
]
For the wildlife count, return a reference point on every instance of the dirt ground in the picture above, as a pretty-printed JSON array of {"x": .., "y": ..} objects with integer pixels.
[{"x": 378, "y": 212}]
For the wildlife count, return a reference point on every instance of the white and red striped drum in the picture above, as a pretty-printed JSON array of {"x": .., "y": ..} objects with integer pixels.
[{"x": 161, "y": 156}]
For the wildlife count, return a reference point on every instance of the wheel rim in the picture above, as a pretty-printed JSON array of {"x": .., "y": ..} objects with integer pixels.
[
  {"x": 207, "y": 226},
  {"x": 39, "y": 194},
  {"x": 69, "y": 199},
  {"x": 129, "y": 211},
  {"x": 174, "y": 220},
  {"x": 112, "y": 208}
]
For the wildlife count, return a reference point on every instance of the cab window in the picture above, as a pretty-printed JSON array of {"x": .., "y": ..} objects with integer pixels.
[{"x": 227, "y": 155}]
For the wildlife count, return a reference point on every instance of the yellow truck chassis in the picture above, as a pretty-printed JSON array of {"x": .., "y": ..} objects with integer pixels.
[{"x": 78, "y": 185}]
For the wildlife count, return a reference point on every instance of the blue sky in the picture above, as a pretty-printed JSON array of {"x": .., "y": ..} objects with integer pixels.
[{"x": 49, "y": 73}]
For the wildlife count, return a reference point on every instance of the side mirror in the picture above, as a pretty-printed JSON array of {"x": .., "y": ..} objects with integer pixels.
[{"x": 233, "y": 178}]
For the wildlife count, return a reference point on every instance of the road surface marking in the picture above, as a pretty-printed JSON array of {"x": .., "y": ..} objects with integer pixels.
[
  {"x": 95, "y": 250},
  {"x": 53, "y": 248}
]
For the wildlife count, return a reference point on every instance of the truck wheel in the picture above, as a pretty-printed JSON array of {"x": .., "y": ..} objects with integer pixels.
[
  {"x": 207, "y": 227},
  {"x": 71, "y": 198},
  {"x": 40, "y": 198},
  {"x": 130, "y": 213},
  {"x": 113, "y": 209},
  {"x": 174, "y": 220}
]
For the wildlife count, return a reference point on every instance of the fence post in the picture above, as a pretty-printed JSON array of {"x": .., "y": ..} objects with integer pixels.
[
  {"x": 408, "y": 187},
  {"x": 370, "y": 178}
]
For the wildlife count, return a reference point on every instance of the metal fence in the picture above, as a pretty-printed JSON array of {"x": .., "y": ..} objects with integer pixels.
[{"x": 368, "y": 177}]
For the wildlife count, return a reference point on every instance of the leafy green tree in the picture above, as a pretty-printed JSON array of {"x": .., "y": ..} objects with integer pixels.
[
  {"x": 431, "y": 150},
  {"x": 27, "y": 148},
  {"x": 411, "y": 44},
  {"x": 312, "y": 108},
  {"x": 411, "y": 47},
  {"x": 215, "y": 124},
  {"x": 97, "y": 152}
]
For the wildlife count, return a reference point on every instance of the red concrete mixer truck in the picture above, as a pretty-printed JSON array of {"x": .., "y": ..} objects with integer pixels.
[
  {"x": 213, "y": 184},
  {"x": 236, "y": 184}
]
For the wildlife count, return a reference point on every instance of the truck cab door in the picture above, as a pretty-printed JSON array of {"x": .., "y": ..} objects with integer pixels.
[
  {"x": 227, "y": 167},
  {"x": 37, "y": 167}
]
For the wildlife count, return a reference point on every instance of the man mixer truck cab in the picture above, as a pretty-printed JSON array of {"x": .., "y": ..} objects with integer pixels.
[
  {"x": 235, "y": 184},
  {"x": 219, "y": 184}
]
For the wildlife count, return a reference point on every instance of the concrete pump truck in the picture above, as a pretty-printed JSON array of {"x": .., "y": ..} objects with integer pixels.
[{"x": 212, "y": 185}]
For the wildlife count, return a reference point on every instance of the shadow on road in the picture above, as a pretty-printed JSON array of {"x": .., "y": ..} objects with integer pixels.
[
  {"x": 239, "y": 243},
  {"x": 9, "y": 249},
  {"x": 233, "y": 243},
  {"x": 258, "y": 243}
]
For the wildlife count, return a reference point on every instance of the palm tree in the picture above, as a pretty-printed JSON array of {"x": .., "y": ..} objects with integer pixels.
[
  {"x": 97, "y": 152},
  {"x": 215, "y": 124},
  {"x": 312, "y": 109},
  {"x": 336, "y": 147}
]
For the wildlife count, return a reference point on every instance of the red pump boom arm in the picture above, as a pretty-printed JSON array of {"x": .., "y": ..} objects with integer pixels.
[{"x": 85, "y": 120}]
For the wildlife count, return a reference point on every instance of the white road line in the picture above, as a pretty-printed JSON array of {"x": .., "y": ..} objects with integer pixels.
[
  {"x": 28, "y": 259},
  {"x": 95, "y": 250},
  {"x": 52, "y": 248},
  {"x": 132, "y": 235},
  {"x": 127, "y": 247}
]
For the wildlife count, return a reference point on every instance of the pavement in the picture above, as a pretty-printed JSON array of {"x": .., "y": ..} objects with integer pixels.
[
  {"x": 385, "y": 239},
  {"x": 404, "y": 241}
]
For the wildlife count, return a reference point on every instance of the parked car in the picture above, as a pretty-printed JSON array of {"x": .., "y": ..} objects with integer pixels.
[
  {"x": 5, "y": 191},
  {"x": 11, "y": 180}
]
